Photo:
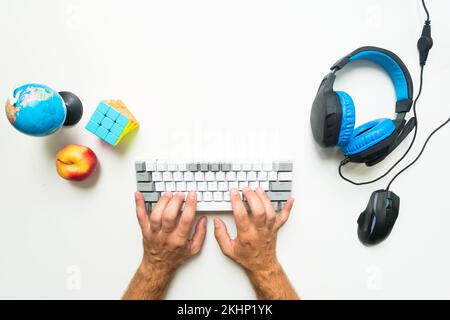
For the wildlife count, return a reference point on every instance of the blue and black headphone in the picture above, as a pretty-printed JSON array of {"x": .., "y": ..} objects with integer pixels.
[
  {"x": 333, "y": 112},
  {"x": 333, "y": 124}
]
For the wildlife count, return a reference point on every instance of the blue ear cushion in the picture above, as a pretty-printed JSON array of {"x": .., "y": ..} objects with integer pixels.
[
  {"x": 348, "y": 118},
  {"x": 368, "y": 135}
]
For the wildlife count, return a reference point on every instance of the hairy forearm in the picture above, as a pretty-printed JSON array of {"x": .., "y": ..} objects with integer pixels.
[
  {"x": 272, "y": 283},
  {"x": 148, "y": 283}
]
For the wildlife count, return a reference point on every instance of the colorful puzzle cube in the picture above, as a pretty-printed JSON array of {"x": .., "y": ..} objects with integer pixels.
[{"x": 111, "y": 121}]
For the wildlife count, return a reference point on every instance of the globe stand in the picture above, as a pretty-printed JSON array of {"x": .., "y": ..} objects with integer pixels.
[{"x": 74, "y": 108}]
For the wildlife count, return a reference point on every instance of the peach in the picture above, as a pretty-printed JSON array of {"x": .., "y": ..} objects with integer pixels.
[{"x": 75, "y": 162}]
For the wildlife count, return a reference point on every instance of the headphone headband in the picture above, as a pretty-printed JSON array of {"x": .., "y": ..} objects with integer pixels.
[{"x": 394, "y": 67}]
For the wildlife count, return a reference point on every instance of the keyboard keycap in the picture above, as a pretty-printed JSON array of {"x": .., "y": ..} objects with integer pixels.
[
  {"x": 161, "y": 166},
  {"x": 231, "y": 176},
  {"x": 188, "y": 176},
  {"x": 146, "y": 186},
  {"x": 281, "y": 186},
  {"x": 151, "y": 196},
  {"x": 203, "y": 167},
  {"x": 202, "y": 186},
  {"x": 207, "y": 196},
  {"x": 264, "y": 185},
  {"x": 214, "y": 167},
  {"x": 143, "y": 176},
  {"x": 278, "y": 195},
  {"x": 193, "y": 167},
  {"x": 285, "y": 176},
  {"x": 210, "y": 176},
  {"x": 191, "y": 186},
  {"x": 243, "y": 185},
  {"x": 220, "y": 176},
  {"x": 225, "y": 167},
  {"x": 181, "y": 186},
  {"x": 150, "y": 166},
  {"x": 272, "y": 176},
  {"x": 283, "y": 166},
  {"x": 160, "y": 186},
  {"x": 218, "y": 196},
  {"x": 223, "y": 186},
  {"x": 172, "y": 167},
  {"x": 233, "y": 185},
  {"x": 241, "y": 176},
  {"x": 212, "y": 186},
  {"x": 257, "y": 167},
  {"x": 199, "y": 176},
  {"x": 199, "y": 196},
  {"x": 170, "y": 186},
  {"x": 251, "y": 176},
  {"x": 275, "y": 205},
  {"x": 214, "y": 206},
  {"x": 178, "y": 176},
  {"x": 139, "y": 166},
  {"x": 246, "y": 166},
  {"x": 167, "y": 176},
  {"x": 262, "y": 176},
  {"x": 156, "y": 176},
  {"x": 236, "y": 167},
  {"x": 253, "y": 185}
]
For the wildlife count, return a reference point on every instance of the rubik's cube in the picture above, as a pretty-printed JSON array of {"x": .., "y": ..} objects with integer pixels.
[{"x": 111, "y": 121}]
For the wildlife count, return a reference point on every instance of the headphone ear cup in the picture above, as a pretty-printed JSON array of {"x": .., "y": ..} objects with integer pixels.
[
  {"x": 368, "y": 135},
  {"x": 348, "y": 118}
]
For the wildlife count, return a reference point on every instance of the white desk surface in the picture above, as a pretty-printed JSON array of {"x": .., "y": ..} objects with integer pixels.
[{"x": 214, "y": 80}]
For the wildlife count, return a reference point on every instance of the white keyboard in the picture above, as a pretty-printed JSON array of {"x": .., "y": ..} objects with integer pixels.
[{"x": 212, "y": 181}]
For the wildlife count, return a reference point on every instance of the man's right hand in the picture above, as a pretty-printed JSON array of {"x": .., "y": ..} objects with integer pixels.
[{"x": 255, "y": 245}]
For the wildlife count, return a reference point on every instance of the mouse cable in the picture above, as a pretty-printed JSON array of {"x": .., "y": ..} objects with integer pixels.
[{"x": 423, "y": 57}]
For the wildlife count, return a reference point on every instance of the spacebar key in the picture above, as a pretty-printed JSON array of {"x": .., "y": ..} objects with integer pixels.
[{"x": 214, "y": 206}]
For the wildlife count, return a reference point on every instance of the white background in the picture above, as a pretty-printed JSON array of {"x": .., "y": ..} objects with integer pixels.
[{"x": 218, "y": 80}]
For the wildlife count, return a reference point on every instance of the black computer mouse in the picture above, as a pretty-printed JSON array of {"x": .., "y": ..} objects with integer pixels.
[{"x": 376, "y": 222}]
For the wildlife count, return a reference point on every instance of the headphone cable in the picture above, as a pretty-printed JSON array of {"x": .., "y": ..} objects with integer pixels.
[
  {"x": 426, "y": 11},
  {"x": 423, "y": 57},
  {"x": 420, "y": 153}
]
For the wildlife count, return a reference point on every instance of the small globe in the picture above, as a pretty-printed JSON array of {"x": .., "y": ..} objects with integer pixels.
[{"x": 36, "y": 110}]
